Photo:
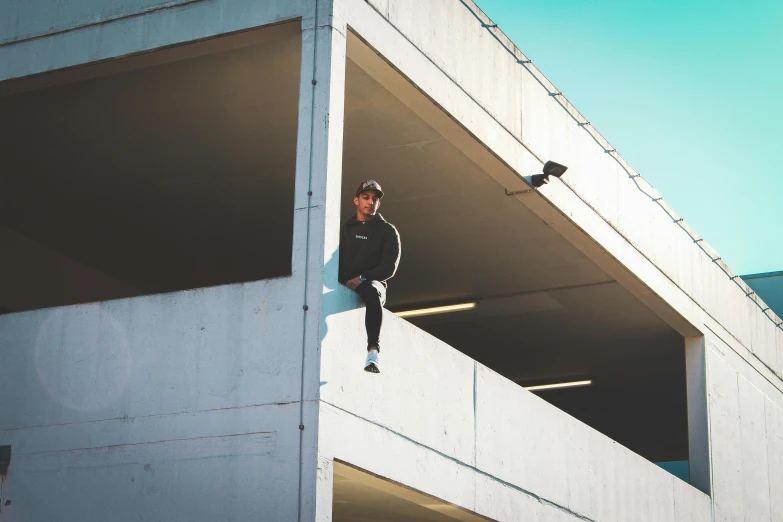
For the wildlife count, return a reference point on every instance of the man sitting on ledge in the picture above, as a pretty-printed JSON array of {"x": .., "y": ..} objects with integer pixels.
[{"x": 369, "y": 254}]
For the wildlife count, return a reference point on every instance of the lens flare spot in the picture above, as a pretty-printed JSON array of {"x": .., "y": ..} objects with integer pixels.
[{"x": 82, "y": 356}]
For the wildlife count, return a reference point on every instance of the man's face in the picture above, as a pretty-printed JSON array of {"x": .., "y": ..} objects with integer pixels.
[{"x": 367, "y": 204}]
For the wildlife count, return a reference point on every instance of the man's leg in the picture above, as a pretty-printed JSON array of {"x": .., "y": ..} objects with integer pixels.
[{"x": 374, "y": 295}]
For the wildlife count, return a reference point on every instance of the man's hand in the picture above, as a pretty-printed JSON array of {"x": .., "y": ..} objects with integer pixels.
[{"x": 353, "y": 283}]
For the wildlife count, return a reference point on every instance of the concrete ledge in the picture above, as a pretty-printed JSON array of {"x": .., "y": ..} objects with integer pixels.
[
  {"x": 450, "y": 423},
  {"x": 211, "y": 348}
]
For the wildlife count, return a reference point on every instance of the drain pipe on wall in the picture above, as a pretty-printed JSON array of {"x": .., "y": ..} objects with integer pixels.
[{"x": 307, "y": 261}]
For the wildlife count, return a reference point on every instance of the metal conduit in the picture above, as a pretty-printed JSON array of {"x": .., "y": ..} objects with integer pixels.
[{"x": 307, "y": 261}]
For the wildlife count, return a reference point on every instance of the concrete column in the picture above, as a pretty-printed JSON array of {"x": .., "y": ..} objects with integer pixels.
[
  {"x": 698, "y": 432},
  {"x": 324, "y": 489},
  {"x": 316, "y": 226}
]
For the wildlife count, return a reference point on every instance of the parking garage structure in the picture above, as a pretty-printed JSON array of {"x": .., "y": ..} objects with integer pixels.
[{"x": 173, "y": 320}]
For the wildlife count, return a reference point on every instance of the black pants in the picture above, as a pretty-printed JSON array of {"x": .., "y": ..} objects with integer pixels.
[{"x": 374, "y": 295}]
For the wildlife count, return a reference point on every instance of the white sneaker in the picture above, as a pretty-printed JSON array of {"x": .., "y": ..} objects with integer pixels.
[{"x": 371, "y": 364}]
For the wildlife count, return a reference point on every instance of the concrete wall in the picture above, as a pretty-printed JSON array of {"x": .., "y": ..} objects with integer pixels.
[
  {"x": 439, "y": 422},
  {"x": 746, "y": 427},
  {"x": 143, "y": 405}
]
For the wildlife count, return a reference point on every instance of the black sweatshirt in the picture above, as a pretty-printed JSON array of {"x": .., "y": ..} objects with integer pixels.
[{"x": 369, "y": 248}]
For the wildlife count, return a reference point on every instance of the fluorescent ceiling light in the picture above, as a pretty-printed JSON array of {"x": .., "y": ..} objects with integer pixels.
[
  {"x": 438, "y": 310},
  {"x": 559, "y": 385}
]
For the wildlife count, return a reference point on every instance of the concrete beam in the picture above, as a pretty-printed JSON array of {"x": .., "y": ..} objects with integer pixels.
[
  {"x": 69, "y": 34},
  {"x": 223, "y": 43}
]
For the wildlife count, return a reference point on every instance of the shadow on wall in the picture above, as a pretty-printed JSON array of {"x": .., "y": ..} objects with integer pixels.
[{"x": 336, "y": 297}]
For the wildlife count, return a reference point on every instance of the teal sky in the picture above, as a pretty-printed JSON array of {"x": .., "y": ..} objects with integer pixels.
[{"x": 688, "y": 91}]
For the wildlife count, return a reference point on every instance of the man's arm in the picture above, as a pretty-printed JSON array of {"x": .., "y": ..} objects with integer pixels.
[
  {"x": 390, "y": 257},
  {"x": 341, "y": 276}
]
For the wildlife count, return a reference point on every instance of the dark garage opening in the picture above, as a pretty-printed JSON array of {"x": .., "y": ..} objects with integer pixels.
[{"x": 176, "y": 172}]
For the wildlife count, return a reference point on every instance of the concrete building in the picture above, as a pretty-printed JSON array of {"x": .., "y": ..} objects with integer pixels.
[{"x": 175, "y": 345}]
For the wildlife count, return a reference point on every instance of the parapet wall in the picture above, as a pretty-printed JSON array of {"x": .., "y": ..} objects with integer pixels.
[
  {"x": 434, "y": 412},
  {"x": 143, "y": 405}
]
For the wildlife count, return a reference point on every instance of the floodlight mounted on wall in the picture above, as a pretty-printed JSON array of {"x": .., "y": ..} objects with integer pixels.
[{"x": 550, "y": 169}]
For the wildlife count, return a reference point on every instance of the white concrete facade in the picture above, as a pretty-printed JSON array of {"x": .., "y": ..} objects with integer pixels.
[{"x": 242, "y": 385}]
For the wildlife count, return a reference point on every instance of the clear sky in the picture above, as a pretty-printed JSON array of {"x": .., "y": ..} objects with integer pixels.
[{"x": 690, "y": 92}]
